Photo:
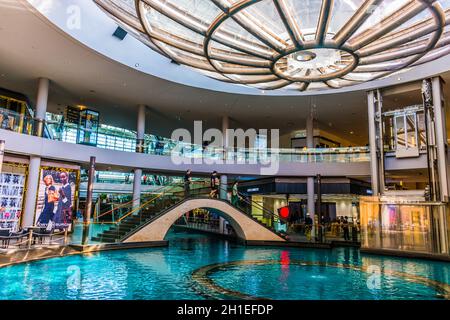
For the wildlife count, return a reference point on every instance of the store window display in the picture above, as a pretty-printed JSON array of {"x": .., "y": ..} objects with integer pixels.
[{"x": 12, "y": 185}]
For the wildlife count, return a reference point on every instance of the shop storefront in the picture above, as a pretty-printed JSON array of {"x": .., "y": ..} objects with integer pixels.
[
  {"x": 417, "y": 227},
  {"x": 12, "y": 189},
  {"x": 339, "y": 198},
  {"x": 56, "y": 201}
]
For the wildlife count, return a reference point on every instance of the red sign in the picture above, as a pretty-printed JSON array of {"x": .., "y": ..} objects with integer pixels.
[{"x": 284, "y": 213}]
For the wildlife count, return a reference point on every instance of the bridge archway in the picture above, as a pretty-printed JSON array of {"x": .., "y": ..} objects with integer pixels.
[{"x": 246, "y": 228}]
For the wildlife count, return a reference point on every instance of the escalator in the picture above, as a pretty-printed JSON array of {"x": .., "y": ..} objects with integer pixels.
[{"x": 169, "y": 200}]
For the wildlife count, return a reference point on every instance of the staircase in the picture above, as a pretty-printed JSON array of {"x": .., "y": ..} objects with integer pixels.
[
  {"x": 158, "y": 206},
  {"x": 137, "y": 217}
]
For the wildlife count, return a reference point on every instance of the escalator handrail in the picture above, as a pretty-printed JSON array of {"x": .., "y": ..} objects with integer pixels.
[
  {"x": 127, "y": 203},
  {"x": 140, "y": 207},
  {"x": 146, "y": 203},
  {"x": 244, "y": 198}
]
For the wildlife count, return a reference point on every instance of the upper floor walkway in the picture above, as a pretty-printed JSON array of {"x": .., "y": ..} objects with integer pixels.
[
  {"x": 282, "y": 162},
  {"x": 117, "y": 147}
]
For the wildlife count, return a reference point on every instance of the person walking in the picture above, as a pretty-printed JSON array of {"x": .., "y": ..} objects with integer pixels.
[
  {"x": 187, "y": 183},
  {"x": 345, "y": 227},
  {"x": 215, "y": 182},
  {"x": 235, "y": 194},
  {"x": 308, "y": 226}
]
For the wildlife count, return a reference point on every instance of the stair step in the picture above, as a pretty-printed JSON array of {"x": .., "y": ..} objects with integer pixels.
[{"x": 99, "y": 239}]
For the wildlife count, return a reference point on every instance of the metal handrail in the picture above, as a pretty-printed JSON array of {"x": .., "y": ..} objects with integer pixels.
[
  {"x": 122, "y": 205},
  {"x": 141, "y": 206}
]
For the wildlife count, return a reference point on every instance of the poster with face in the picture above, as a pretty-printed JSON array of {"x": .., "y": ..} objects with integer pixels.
[
  {"x": 12, "y": 182},
  {"x": 56, "y": 198}
]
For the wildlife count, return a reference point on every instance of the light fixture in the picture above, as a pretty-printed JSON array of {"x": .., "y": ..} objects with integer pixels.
[{"x": 290, "y": 44}]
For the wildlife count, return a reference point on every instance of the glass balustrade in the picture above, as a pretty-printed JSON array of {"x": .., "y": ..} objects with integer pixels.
[{"x": 120, "y": 139}]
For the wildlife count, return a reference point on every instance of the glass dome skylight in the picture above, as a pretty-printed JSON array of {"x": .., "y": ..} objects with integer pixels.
[{"x": 291, "y": 44}]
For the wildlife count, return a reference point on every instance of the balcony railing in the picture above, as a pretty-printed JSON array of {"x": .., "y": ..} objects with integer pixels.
[{"x": 126, "y": 141}]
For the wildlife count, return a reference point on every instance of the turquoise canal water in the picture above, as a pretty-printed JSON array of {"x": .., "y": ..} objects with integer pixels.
[{"x": 202, "y": 267}]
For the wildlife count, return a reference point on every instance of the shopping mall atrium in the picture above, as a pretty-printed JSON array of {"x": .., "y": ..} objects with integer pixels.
[{"x": 224, "y": 149}]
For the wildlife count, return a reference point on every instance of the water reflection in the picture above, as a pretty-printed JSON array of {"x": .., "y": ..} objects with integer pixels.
[{"x": 166, "y": 273}]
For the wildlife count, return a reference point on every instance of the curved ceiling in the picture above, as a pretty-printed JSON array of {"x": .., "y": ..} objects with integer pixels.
[
  {"x": 135, "y": 52},
  {"x": 289, "y": 44},
  {"x": 32, "y": 47}
]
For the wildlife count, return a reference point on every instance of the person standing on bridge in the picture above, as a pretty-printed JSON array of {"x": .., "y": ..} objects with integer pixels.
[
  {"x": 235, "y": 197},
  {"x": 215, "y": 182},
  {"x": 308, "y": 226},
  {"x": 187, "y": 183}
]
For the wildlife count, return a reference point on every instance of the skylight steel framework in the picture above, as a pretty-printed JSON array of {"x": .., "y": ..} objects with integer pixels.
[{"x": 290, "y": 44}]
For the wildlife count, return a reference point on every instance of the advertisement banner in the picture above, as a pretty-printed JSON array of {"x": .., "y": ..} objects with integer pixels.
[
  {"x": 56, "y": 198},
  {"x": 12, "y": 183}
]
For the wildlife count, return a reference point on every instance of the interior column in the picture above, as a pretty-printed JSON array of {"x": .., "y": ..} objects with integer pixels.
[
  {"x": 41, "y": 105},
  {"x": 32, "y": 190},
  {"x": 140, "y": 129},
  {"x": 2, "y": 152},
  {"x": 140, "y": 134},
  {"x": 441, "y": 146},
  {"x": 310, "y": 180},
  {"x": 373, "y": 144},
  {"x": 225, "y": 127},
  {"x": 224, "y": 178},
  {"x": 223, "y": 187}
]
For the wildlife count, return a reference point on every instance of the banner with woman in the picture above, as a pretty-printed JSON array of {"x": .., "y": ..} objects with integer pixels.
[{"x": 56, "y": 198}]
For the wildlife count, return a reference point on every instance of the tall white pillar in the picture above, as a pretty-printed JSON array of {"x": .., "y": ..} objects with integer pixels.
[
  {"x": 374, "y": 172},
  {"x": 141, "y": 122},
  {"x": 140, "y": 129},
  {"x": 41, "y": 105},
  {"x": 441, "y": 136},
  {"x": 310, "y": 131},
  {"x": 137, "y": 188},
  {"x": 32, "y": 190},
  {"x": 225, "y": 142},
  {"x": 140, "y": 133},
  {"x": 441, "y": 146},
  {"x": 2, "y": 152},
  {"x": 223, "y": 192},
  {"x": 225, "y": 127},
  {"x": 310, "y": 180}
]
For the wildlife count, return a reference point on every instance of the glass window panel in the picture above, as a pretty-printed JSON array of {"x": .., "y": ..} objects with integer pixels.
[
  {"x": 232, "y": 34},
  {"x": 411, "y": 133},
  {"x": 341, "y": 13},
  {"x": 382, "y": 11},
  {"x": 400, "y": 131},
  {"x": 156, "y": 21},
  {"x": 306, "y": 15},
  {"x": 264, "y": 19},
  {"x": 219, "y": 51}
]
